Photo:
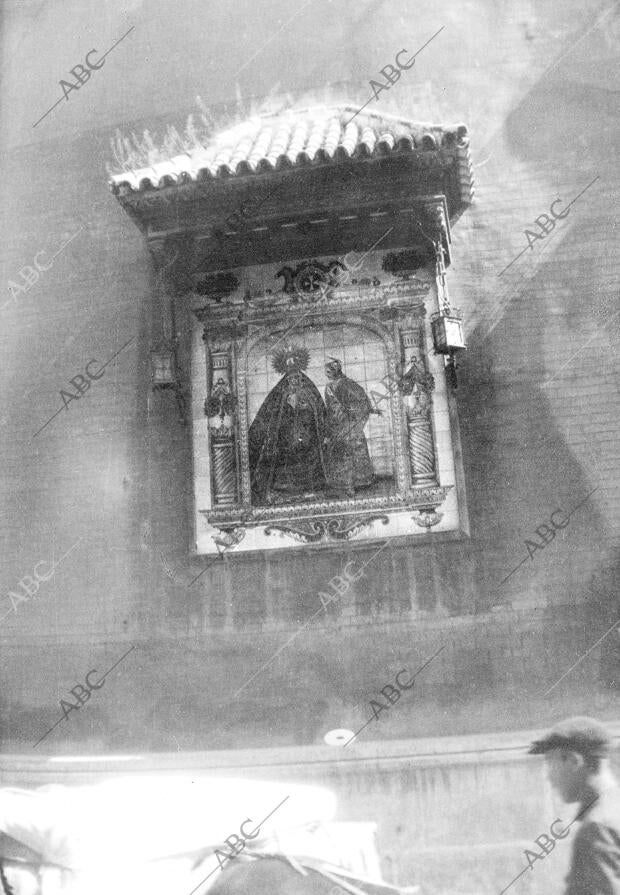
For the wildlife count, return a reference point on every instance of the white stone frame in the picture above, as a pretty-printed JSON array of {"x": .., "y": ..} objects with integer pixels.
[{"x": 426, "y": 512}]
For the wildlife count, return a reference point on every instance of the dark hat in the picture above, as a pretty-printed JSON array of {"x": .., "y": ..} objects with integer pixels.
[{"x": 584, "y": 735}]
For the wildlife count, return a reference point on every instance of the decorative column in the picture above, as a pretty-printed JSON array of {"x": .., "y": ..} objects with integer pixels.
[
  {"x": 417, "y": 386},
  {"x": 220, "y": 411}
]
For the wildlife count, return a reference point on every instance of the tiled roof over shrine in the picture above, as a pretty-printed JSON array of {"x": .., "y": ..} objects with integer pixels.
[{"x": 313, "y": 136}]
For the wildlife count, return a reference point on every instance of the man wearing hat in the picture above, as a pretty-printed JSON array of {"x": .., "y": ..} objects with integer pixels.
[{"x": 577, "y": 757}]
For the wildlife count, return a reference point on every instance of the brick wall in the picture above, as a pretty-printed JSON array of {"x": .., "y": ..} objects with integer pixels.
[{"x": 538, "y": 404}]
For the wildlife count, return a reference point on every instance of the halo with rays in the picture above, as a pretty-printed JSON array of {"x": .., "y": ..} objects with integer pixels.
[{"x": 290, "y": 358}]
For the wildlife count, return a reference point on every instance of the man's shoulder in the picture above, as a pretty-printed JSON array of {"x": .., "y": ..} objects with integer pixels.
[
  {"x": 595, "y": 866},
  {"x": 606, "y": 809},
  {"x": 601, "y": 822}
]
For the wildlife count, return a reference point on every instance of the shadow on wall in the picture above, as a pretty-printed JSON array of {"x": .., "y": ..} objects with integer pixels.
[
  {"x": 519, "y": 463},
  {"x": 519, "y": 469}
]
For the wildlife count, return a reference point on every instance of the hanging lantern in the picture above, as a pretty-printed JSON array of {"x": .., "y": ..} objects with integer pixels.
[
  {"x": 447, "y": 322},
  {"x": 447, "y": 329},
  {"x": 163, "y": 368},
  {"x": 166, "y": 375}
]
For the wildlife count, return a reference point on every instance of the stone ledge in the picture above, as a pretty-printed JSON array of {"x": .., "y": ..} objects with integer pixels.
[{"x": 423, "y": 752}]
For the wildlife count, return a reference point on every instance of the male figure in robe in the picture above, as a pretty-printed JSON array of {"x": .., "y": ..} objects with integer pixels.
[
  {"x": 287, "y": 435},
  {"x": 348, "y": 407}
]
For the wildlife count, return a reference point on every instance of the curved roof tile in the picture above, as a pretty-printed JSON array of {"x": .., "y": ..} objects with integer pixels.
[
  {"x": 367, "y": 141},
  {"x": 319, "y": 135},
  {"x": 298, "y": 141},
  {"x": 315, "y": 139}
]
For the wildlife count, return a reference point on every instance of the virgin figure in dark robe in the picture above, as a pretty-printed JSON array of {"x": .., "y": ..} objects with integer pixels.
[
  {"x": 287, "y": 435},
  {"x": 348, "y": 407}
]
